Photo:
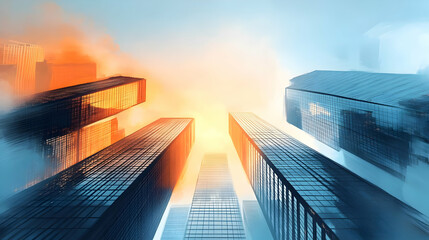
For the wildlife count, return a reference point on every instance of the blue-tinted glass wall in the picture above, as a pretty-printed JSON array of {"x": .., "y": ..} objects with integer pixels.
[
  {"x": 371, "y": 131},
  {"x": 118, "y": 193},
  {"x": 288, "y": 214},
  {"x": 215, "y": 210},
  {"x": 305, "y": 195},
  {"x": 353, "y": 113}
]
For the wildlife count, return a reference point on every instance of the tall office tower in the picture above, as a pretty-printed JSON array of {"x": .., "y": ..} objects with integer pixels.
[
  {"x": 118, "y": 193},
  {"x": 175, "y": 225},
  {"x": 305, "y": 195},
  {"x": 381, "y": 118},
  {"x": 57, "y": 123},
  {"x": 215, "y": 211},
  {"x": 52, "y": 75},
  {"x": 24, "y": 56}
]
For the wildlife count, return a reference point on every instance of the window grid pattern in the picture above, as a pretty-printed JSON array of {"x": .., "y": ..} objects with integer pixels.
[
  {"x": 321, "y": 199},
  {"x": 58, "y": 123},
  {"x": 381, "y": 118},
  {"x": 119, "y": 192},
  {"x": 57, "y": 112},
  {"x": 376, "y": 133},
  {"x": 215, "y": 211}
]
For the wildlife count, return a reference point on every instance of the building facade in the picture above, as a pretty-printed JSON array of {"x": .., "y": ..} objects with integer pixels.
[
  {"x": 381, "y": 118},
  {"x": 118, "y": 193},
  {"x": 64, "y": 110},
  {"x": 24, "y": 56},
  {"x": 67, "y": 125},
  {"x": 175, "y": 225},
  {"x": 305, "y": 195},
  {"x": 64, "y": 151},
  {"x": 215, "y": 210}
]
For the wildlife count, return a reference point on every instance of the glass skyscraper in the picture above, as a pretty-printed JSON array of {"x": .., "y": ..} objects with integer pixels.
[
  {"x": 67, "y": 125},
  {"x": 381, "y": 118},
  {"x": 215, "y": 210},
  {"x": 305, "y": 195},
  {"x": 175, "y": 224},
  {"x": 118, "y": 193},
  {"x": 63, "y": 110}
]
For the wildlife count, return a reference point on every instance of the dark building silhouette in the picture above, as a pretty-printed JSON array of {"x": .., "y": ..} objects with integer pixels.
[
  {"x": 215, "y": 210},
  {"x": 118, "y": 193},
  {"x": 305, "y": 195}
]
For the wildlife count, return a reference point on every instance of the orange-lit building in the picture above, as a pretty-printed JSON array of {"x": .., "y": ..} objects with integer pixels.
[
  {"x": 69, "y": 124},
  {"x": 97, "y": 136},
  {"x": 24, "y": 56},
  {"x": 61, "y": 111},
  {"x": 67, "y": 150},
  {"x": 51, "y": 75}
]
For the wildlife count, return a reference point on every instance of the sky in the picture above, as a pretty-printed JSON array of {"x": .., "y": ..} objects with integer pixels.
[
  {"x": 203, "y": 59},
  {"x": 306, "y": 35}
]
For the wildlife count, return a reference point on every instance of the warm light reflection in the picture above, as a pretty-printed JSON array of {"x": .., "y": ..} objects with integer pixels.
[
  {"x": 233, "y": 70},
  {"x": 109, "y": 98},
  {"x": 64, "y": 151}
]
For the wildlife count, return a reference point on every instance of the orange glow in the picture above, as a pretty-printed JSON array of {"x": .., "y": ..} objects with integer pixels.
[
  {"x": 106, "y": 99},
  {"x": 50, "y": 76},
  {"x": 232, "y": 71}
]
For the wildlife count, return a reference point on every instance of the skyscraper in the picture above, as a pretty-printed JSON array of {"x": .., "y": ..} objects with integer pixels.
[
  {"x": 118, "y": 193},
  {"x": 24, "y": 56},
  {"x": 64, "y": 124},
  {"x": 215, "y": 211},
  {"x": 305, "y": 195},
  {"x": 381, "y": 118},
  {"x": 175, "y": 225},
  {"x": 60, "y": 111}
]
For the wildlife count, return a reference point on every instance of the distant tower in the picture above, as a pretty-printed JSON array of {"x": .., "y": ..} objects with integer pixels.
[
  {"x": 24, "y": 56},
  {"x": 215, "y": 211}
]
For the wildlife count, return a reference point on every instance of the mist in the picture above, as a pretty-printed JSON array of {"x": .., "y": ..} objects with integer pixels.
[{"x": 205, "y": 59}]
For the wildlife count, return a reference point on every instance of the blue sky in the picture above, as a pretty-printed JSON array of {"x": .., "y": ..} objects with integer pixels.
[{"x": 306, "y": 34}]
